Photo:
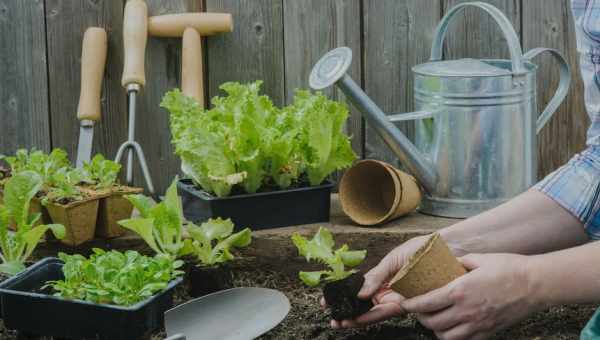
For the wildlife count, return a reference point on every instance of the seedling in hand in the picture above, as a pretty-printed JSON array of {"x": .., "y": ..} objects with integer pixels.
[{"x": 342, "y": 282}]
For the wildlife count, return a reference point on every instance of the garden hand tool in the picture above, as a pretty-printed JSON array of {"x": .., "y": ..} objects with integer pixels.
[
  {"x": 476, "y": 124},
  {"x": 93, "y": 59},
  {"x": 191, "y": 26},
  {"x": 135, "y": 35},
  {"x": 233, "y": 314}
]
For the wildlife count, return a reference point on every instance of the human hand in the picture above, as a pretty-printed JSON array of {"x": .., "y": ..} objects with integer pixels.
[
  {"x": 386, "y": 302},
  {"x": 495, "y": 294}
]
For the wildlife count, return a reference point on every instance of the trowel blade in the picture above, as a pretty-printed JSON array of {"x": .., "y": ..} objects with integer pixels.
[
  {"x": 233, "y": 314},
  {"x": 84, "y": 148}
]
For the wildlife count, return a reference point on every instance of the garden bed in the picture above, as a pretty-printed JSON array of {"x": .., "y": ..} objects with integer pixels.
[
  {"x": 272, "y": 261},
  {"x": 307, "y": 321}
]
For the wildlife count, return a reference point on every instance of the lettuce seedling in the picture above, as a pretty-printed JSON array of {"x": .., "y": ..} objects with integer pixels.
[
  {"x": 62, "y": 186},
  {"x": 212, "y": 240},
  {"x": 16, "y": 247},
  {"x": 320, "y": 248},
  {"x": 160, "y": 224},
  {"x": 102, "y": 172},
  {"x": 39, "y": 162},
  {"x": 113, "y": 277}
]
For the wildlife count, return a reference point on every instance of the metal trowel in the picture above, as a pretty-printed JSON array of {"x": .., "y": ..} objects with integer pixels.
[{"x": 233, "y": 314}]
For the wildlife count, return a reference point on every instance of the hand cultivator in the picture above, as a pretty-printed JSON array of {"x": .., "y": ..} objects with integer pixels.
[{"x": 134, "y": 38}]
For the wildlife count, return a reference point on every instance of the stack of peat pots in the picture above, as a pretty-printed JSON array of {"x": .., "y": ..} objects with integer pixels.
[{"x": 95, "y": 215}]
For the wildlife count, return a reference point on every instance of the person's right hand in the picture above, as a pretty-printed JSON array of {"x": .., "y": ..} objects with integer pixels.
[{"x": 386, "y": 302}]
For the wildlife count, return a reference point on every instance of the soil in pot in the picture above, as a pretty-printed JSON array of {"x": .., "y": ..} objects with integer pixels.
[
  {"x": 342, "y": 297},
  {"x": 204, "y": 280},
  {"x": 78, "y": 217},
  {"x": 112, "y": 209}
]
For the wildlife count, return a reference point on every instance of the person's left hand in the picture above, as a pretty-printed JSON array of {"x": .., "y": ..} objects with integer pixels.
[{"x": 495, "y": 294}]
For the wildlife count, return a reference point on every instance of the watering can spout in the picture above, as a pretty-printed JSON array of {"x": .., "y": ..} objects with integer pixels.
[{"x": 331, "y": 69}]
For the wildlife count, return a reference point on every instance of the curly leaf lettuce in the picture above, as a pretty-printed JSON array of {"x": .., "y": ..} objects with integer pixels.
[
  {"x": 246, "y": 141},
  {"x": 320, "y": 249}
]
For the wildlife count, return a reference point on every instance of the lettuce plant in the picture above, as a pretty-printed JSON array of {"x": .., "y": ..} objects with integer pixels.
[
  {"x": 320, "y": 248},
  {"x": 102, "y": 172},
  {"x": 16, "y": 247},
  {"x": 39, "y": 162},
  {"x": 114, "y": 277},
  {"x": 246, "y": 141},
  {"x": 160, "y": 224},
  {"x": 62, "y": 186},
  {"x": 212, "y": 240}
]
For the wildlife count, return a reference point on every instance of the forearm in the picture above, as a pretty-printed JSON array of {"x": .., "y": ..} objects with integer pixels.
[
  {"x": 531, "y": 223},
  {"x": 565, "y": 277}
]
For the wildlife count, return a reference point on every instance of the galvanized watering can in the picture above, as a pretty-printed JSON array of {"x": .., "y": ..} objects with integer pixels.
[{"x": 476, "y": 121}]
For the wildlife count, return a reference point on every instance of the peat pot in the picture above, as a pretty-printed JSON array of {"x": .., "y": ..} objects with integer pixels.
[
  {"x": 260, "y": 210},
  {"x": 475, "y": 143},
  {"x": 32, "y": 310},
  {"x": 112, "y": 209},
  {"x": 78, "y": 217}
]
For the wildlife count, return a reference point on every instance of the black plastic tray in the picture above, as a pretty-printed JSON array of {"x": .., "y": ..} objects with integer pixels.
[
  {"x": 261, "y": 210},
  {"x": 25, "y": 307}
]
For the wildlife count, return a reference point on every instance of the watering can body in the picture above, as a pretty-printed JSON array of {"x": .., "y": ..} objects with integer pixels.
[{"x": 475, "y": 143}]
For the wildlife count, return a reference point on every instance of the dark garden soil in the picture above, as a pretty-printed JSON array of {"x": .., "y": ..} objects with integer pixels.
[{"x": 307, "y": 321}]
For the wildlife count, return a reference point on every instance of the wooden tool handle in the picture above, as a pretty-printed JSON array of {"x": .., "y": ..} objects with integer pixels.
[
  {"x": 192, "y": 82},
  {"x": 135, "y": 35},
  {"x": 93, "y": 59},
  {"x": 173, "y": 25}
]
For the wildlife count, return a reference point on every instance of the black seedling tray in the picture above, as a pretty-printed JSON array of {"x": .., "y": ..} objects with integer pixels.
[
  {"x": 33, "y": 311},
  {"x": 261, "y": 210}
]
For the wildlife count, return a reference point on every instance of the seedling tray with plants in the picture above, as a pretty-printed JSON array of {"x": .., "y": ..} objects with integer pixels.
[
  {"x": 28, "y": 296},
  {"x": 260, "y": 165}
]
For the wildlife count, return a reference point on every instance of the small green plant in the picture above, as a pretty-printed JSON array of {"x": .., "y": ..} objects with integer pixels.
[
  {"x": 17, "y": 246},
  {"x": 114, "y": 277},
  {"x": 160, "y": 224},
  {"x": 320, "y": 248},
  {"x": 62, "y": 186},
  {"x": 213, "y": 239},
  {"x": 102, "y": 172},
  {"x": 38, "y": 161}
]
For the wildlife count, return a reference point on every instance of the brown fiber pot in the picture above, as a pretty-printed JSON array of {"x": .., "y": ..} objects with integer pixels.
[
  {"x": 79, "y": 219},
  {"x": 112, "y": 209},
  {"x": 373, "y": 192},
  {"x": 431, "y": 267}
]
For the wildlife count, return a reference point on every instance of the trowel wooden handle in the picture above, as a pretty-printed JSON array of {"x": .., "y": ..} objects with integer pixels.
[
  {"x": 93, "y": 59},
  {"x": 135, "y": 35},
  {"x": 173, "y": 25},
  {"x": 191, "y": 66}
]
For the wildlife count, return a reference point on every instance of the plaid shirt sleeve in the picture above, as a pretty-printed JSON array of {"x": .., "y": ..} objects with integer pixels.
[{"x": 576, "y": 187}]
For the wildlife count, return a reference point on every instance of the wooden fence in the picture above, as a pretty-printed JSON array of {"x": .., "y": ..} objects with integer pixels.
[{"x": 277, "y": 41}]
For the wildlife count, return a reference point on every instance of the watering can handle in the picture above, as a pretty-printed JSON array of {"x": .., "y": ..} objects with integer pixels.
[
  {"x": 514, "y": 46},
  {"x": 563, "y": 86}
]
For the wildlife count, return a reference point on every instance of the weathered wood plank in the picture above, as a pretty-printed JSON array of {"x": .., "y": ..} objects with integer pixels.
[
  {"x": 550, "y": 24},
  {"x": 397, "y": 36},
  {"x": 312, "y": 28},
  {"x": 24, "y": 86},
  {"x": 66, "y": 22},
  {"x": 253, "y": 51},
  {"x": 475, "y": 34},
  {"x": 163, "y": 73}
]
